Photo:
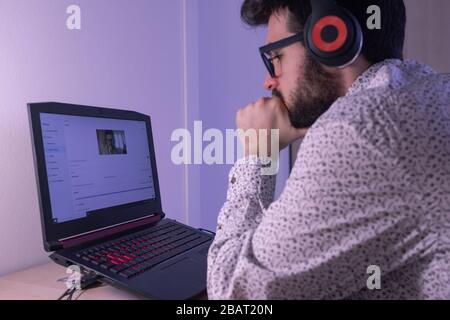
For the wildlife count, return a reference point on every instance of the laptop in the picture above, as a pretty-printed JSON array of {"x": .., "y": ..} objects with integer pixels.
[{"x": 100, "y": 202}]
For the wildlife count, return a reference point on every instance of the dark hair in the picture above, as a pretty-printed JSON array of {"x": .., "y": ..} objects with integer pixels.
[{"x": 379, "y": 45}]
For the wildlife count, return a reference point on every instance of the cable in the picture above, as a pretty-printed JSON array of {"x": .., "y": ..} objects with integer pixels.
[
  {"x": 86, "y": 281},
  {"x": 64, "y": 294},
  {"x": 71, "y": 294},
  {"x": 68, "y": 292}
]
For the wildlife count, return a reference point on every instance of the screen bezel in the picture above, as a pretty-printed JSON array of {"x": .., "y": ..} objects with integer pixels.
[{"x": 53, "y": 232}]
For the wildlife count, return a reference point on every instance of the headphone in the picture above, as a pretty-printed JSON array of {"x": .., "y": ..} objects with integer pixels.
[{"x": 332, "y": 34}]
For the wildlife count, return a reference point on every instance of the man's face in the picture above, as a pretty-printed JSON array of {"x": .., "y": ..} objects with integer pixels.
[
  {"x": 305, "y": 87},
  {"x": 109, "y": 139}
]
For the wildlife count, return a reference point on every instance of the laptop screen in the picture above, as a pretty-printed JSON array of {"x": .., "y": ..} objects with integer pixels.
[{"x": 95, "y": 164}]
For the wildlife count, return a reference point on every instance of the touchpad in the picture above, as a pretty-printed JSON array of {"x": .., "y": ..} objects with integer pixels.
[{"x": 183, "y": 278}]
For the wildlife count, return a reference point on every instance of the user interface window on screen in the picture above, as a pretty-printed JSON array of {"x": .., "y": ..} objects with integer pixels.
[{"x": 95, "y": 163}]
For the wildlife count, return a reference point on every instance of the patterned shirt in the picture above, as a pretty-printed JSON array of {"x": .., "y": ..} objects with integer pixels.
[{"x": 370, "y": 189}]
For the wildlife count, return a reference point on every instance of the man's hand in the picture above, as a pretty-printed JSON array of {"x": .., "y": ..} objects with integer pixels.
[{"x": 267, "y": 114}]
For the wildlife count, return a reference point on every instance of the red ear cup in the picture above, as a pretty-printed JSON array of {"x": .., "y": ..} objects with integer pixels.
[
  {"x": 317, "y": 34},
  {"x": 333, "y": 36}
]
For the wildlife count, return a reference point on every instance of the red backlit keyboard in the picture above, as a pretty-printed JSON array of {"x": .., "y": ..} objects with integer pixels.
[{"x": 131, "y": 255}]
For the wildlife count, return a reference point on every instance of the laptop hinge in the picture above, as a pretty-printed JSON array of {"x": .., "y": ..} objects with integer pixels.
[
  {"x": 52, "y": 246},
  {"x": 102, "y": 233}
]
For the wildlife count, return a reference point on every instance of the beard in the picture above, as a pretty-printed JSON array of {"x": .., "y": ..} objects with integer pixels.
[{"x": 313, "y": 95}]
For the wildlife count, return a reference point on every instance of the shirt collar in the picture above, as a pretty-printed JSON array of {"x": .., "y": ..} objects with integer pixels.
[
  {"x": 391, "y": 74},
  {"x": 375, "y": 76}
]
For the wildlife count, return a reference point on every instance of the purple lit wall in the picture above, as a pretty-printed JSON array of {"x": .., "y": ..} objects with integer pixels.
[
  {"x": 176, "y": 60},
  {"x": 231, "y": 74},
  {"x": 127, "y": 55}
]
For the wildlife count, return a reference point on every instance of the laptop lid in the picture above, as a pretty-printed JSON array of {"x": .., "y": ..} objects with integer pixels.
[{"x": 95, "y": 169}]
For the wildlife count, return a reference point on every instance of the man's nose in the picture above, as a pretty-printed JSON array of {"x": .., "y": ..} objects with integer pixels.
[{"x": 270, "y": 83}]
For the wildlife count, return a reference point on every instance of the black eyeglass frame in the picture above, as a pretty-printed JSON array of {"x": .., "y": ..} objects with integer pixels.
[{"x": 299, "y": 37}]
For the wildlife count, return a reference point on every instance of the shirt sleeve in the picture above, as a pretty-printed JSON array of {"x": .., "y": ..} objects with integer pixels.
[{"x": 344, "y": 208}]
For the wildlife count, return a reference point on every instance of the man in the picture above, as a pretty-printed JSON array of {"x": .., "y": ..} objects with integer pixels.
[
  {"x": 365, "y": 213},
  {"x": 109, "y": 142},
  {"x": 110, "y": 145}
]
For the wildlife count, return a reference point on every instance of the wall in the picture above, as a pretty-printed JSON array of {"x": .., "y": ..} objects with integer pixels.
[
  {"x": 231, "y": 75},
  {"x": 119, "y": 59},
  {"x": 178, "y": 60},
  {"x": 428, "y": 37}
]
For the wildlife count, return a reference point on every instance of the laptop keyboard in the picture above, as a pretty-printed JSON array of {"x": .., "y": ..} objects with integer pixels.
[{"x": 132, "y": 255}]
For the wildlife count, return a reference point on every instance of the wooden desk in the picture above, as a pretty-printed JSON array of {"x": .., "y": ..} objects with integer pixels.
[{"x": 41, "y": 283}]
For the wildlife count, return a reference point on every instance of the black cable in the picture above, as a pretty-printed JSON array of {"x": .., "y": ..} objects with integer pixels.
[
  {"x": 68, "y": 292},
  {"x": 89, "y": 280},
  {"x": 86, "y": 281},
  {"x": 71, "y": 294},
  {"x": 64, "y": 294}
]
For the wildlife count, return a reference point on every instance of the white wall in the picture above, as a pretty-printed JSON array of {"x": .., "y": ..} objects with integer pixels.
[
  {"x": 158, "y": 57},
  {"x": 119, "y": 59},
  {"x": 428, "y": 33},
  {"x": 231, "y": 75}
]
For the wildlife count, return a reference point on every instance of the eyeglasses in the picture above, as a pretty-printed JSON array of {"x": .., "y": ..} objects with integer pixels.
[{"x": 268, "y": 49}]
